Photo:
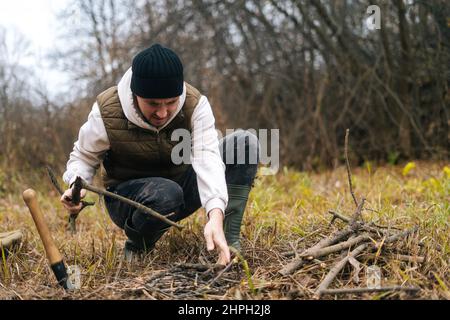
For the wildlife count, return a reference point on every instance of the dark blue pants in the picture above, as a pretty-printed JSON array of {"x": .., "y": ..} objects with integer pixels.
[{"x": 181, "y": 197}]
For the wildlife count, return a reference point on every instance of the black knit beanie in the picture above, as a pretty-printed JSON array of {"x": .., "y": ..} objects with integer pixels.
[{"x": 157, "y": 73}]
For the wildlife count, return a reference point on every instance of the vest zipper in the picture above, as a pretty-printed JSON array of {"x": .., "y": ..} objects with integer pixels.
[{"x": 158, "y": 140}]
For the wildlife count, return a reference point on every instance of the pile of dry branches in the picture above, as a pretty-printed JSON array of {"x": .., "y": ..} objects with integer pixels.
[
  {"x": 358, "y": 237},
  {"x": 187, "y": 281}
]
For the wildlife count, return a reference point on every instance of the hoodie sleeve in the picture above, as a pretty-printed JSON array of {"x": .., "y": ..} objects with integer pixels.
[
  {"x": 206, "y": 159},
  {"x": 88, "y": 150}
]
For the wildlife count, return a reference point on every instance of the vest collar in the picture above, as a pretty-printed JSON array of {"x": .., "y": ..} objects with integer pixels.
[{"x": 179, "y": 118}]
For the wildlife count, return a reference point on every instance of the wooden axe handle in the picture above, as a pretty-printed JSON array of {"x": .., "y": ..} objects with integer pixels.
[{"x": 53, "y": 254}]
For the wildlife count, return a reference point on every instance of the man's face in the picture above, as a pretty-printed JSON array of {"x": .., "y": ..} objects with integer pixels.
[{"x": 157, "y": 111}]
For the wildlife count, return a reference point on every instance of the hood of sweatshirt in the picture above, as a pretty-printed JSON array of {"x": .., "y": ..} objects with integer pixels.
[{"x": 129, "y": 109}]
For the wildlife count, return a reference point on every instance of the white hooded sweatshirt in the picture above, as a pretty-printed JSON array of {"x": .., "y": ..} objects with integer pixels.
[{"x": 207, "y": 163}]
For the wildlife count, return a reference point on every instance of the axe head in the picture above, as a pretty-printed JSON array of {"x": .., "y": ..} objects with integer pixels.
[{"x": 60, "y": 271}]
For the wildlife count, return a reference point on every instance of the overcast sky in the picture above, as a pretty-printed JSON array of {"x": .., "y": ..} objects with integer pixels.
[{"x": 36, "y": 20}]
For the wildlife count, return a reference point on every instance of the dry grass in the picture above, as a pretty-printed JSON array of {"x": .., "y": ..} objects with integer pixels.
[{"x": 286, "y": 212}]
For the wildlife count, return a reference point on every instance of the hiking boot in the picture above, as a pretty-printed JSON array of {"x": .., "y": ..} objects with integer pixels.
[
  {"x": 137, "y": 246},
  {"x": 131, "y": 252}
]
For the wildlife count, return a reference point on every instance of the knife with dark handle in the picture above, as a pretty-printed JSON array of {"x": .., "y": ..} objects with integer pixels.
[{"x": 76, "y": 197}]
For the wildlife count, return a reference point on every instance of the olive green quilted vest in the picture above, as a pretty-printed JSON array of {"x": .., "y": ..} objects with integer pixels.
[{"x": 136, "y": 152}]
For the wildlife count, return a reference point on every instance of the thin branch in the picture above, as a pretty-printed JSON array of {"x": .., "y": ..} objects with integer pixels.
[
  {"x": 349, "y": 173},
  {"x": 337, "y": 247},
  {"x": 357, "y": 213},
  {"x": 221, "y": 273},
  {"x": 407, "y": 258},
  {"x": 332, "y": 239},
  {"x": 368, "y": 290},
  {"x": 337, "y": 215},
  {"x": 137, "y": 205},
  {"x": 398, "y": 236},
  {"x": 337, "y": 268}
]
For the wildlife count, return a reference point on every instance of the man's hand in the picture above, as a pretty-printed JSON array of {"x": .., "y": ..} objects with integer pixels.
[
  {"x": 215, "y": 237},
  {"x": 66, "y": 199}
]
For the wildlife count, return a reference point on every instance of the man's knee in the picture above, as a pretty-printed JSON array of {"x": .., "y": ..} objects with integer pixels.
[
  {"x": 240, "y": 147},
  {"x": 241, "y": 157},
  {"x": 251, "y": 144},
  {"x": 162, "y": 195}
]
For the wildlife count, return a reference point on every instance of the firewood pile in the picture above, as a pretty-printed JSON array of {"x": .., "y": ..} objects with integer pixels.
[{"x": 356, "y": 238}]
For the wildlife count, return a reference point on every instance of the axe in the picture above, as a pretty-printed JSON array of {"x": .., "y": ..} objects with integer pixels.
[{"x": 53, "y": 255}]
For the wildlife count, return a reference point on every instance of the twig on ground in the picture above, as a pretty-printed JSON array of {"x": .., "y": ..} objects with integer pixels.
[
  {"x": 332, "y": 239},
  {"x": 221, "y": 273},
  {"x": 371, "y": 226},
  {"x": 368, "y": 290},
  {"x": 337, "y": 247},
  {"x": 337, "y": 268},
  {"x": 402, "y": 257}
]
